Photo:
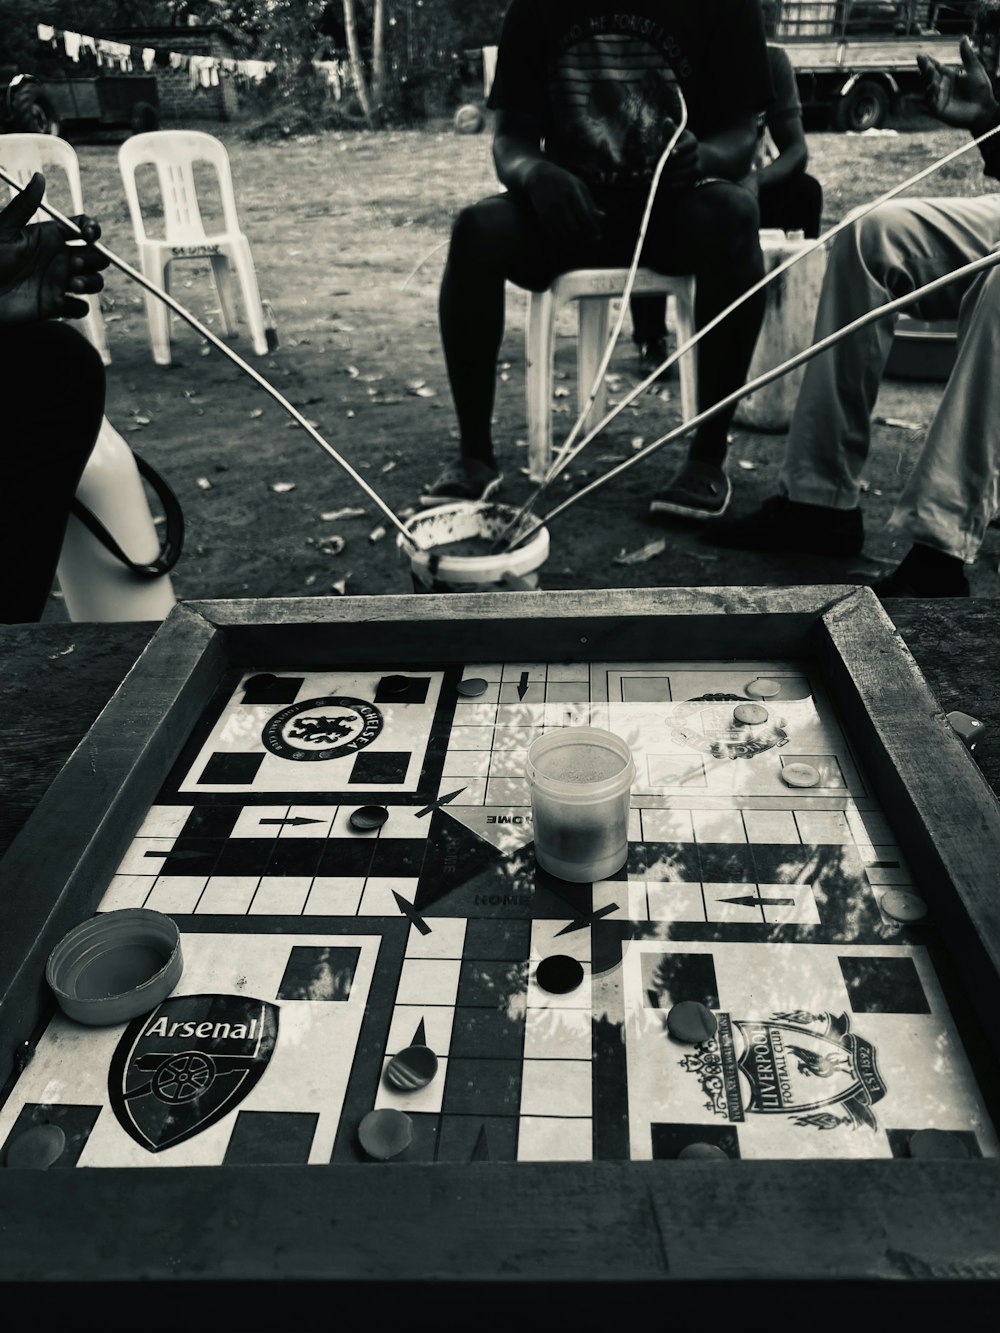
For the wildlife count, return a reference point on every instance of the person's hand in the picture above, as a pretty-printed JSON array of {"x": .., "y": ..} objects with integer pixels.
[
  {"x": 960, "y": 97},
  {"x": 564, "y": 205},
  {"x": 683, "y": 166},
  {"x": 42, "y": 275}
]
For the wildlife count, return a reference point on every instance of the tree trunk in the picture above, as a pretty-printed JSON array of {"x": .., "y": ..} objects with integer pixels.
[
  {"x": 378, "y": 56},
  {"x": 357, "y": 64}
]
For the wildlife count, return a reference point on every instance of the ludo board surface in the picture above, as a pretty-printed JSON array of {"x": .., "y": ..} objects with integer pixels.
[{"x": 315, "y": 952}]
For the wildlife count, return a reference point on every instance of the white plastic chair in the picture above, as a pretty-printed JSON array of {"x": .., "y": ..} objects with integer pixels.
[
  {"x": 173, "y": 153},
  {"x": 21, "y": 155},
  {"x": 593, "y": 289}
]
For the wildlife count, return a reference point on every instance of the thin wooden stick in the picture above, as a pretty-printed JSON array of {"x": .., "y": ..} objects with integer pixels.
[
  {"x": 612, "y": 341},
  {"x": 217, "y": 342},
  {"x": 510, "y": 537},
  {"x": 870, "y": 317}
]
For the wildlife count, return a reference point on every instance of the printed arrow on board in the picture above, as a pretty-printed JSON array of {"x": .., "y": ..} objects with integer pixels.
[
  {"x": 295, "y": 819},
  {"x": 522, "y": 685},
  {"x": 185, "y": 854},
  {"x": 750, "y": 901}
]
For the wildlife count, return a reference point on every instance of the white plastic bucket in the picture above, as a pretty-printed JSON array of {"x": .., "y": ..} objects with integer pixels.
[{"x": 500, "y": 572}]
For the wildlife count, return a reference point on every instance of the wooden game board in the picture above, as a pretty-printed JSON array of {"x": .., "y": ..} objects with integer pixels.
[{"x": 218, "y": 788}]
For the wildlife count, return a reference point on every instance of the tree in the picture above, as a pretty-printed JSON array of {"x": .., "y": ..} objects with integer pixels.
[{"x": 357, "y": 63}]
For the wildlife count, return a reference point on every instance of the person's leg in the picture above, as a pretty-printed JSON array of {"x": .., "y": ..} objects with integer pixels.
[
  {"x": 53, "y": 408},
  {"x": 649, "y": 319},
  {"x": 493, "y": 241},
  {"x": 712, "y": 233},
  {"x": 952, "y": 491},
  {"x": 889, "y": 252},
  {"x": 793, "y": 205}
]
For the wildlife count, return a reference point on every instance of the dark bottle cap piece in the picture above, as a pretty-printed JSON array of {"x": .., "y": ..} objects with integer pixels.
[
  {"x": 559, "y": 973},
  {"x": 412, "y": 1068},
  {"x": 708, "y": 1151},
  {"x": 395, "y": 684},
  {"x": 692, "y": 1022},
  {"x": 472, "y": 686},
  {"x": 385, "y": 1133},
  {"x": 368, "y": 817},
  {"x": 936, "y": 1143},
  {"x": 37, "y": 1148}
]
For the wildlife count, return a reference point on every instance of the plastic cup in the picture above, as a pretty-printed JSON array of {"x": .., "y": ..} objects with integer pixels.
[{"x": 580, "y": 780}]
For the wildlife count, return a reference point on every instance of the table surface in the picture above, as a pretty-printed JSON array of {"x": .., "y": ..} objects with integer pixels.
[{"x": 55, "y": 679}]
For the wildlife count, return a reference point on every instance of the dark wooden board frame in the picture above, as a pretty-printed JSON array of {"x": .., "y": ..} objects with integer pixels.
[{"x": 714, "y": 1232}]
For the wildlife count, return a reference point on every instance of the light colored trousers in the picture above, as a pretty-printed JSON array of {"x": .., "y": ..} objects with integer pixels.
[{"x": 952, "y": 492}]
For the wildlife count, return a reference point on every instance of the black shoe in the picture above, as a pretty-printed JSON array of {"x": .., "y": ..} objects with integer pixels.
[
  {"x": 781, "y": 524},
  {"x": 468, "y": 479},
  {"x": 924, "y": 572},
  {"x": 699, "y": 490}
]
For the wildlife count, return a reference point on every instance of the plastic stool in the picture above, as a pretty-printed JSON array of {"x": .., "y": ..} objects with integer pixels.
[{"x": 594, "y": 289}]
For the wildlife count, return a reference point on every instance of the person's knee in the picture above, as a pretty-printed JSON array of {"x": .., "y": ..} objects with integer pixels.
[
  {"x": 727, "y": 222},
  {"x": 471, "y": 235},
  {"x": 874, "y": 237}
]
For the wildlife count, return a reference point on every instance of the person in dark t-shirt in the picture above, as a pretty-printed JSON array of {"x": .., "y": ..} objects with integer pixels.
[
  {"x": 586, "y": 96},
  {"x": 788, "y": 197}
]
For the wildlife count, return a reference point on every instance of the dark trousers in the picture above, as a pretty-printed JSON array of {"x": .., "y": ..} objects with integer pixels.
[
  {"x": 793, "y": 205},
  {"x": 52, "y": 411},
  {"x": 710, "y": 232}
]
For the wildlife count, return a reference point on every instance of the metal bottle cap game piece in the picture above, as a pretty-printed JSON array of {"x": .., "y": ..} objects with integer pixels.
[
  {"x": 690, "y": 1021},
  {"x": 368, "y": 817}
]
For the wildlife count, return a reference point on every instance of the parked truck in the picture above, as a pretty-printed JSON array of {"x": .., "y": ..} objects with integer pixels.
[
  {"x": 856, "y": 60},
  {"x": 62, "y": 96}
]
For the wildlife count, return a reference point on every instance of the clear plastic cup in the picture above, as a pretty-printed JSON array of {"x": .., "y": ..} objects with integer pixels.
[{"x": 580, "y": 780}]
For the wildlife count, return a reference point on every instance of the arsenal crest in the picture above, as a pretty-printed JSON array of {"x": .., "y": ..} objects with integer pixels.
[
  {"x": 809, "y": 1067},
  {"x": 187, "y": 1064},
  {"x": 322, "y": 728}
]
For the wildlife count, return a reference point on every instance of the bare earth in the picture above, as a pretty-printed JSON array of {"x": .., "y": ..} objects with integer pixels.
[{"x": 349, "y": 234}]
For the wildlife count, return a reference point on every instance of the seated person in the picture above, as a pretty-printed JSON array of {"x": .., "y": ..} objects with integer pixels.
[
  {"x": 54, "y": 399},
  {"x": 586, "y": 102},
  {"x": 951, "y": 494},
  {"x": 789, "y": 198}
]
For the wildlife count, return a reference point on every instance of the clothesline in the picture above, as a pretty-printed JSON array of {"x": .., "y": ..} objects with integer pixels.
[{"x": 203, "y": 70}]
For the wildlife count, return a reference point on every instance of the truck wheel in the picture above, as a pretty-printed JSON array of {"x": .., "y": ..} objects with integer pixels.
[
  {"x": 143, "y": 118},
  {"x": 33, "y": 112},
  {"x": 863, "y": 107}
]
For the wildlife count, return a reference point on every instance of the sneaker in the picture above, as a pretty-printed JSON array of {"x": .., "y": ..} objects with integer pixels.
[
  {"x": 781, "y": 524},
  {"x": 468, "y": 479},
  {"x": 699, "y": 490}
]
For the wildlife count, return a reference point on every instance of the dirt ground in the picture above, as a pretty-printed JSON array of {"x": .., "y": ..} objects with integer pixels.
[{"x": 349, "y": 235}]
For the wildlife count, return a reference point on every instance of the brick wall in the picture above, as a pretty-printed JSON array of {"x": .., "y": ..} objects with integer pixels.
[{"x": 178, "y": 100}]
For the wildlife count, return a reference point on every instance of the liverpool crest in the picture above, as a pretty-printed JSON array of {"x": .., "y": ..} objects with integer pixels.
[{"x": 809, "y": 1067}]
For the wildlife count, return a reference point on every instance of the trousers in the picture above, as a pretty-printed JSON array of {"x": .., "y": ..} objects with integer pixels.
[
  {"x": 952, "y": 491},
  {"x": 710, "y": 231}
]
